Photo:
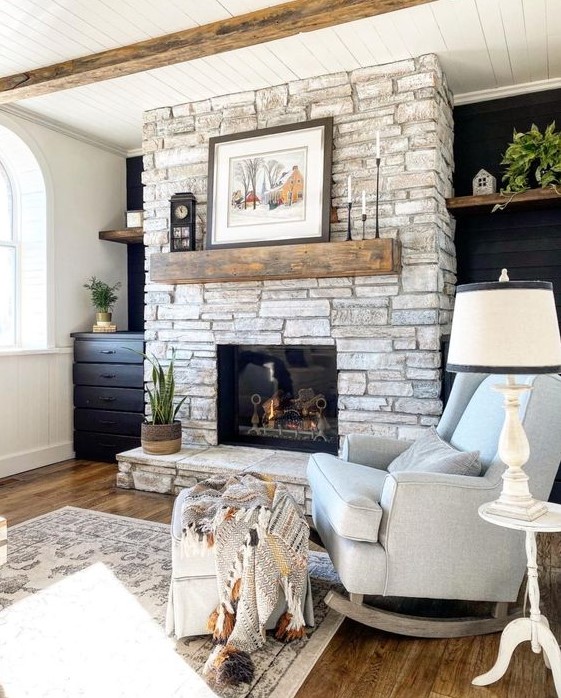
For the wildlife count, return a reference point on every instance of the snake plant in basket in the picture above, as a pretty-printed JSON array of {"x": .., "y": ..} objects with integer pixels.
[{"x": 161, "y": 435}]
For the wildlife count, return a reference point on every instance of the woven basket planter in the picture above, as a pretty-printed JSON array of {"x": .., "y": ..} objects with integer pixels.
[{"x": 161, "y": 439}]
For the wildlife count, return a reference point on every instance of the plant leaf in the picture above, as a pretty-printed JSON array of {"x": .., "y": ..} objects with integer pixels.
[{"x": 162, "y": 392}]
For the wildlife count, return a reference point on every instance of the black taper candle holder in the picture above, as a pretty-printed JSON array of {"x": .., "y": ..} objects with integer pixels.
[
  {"x": 378, "y": 160},
  {"x": 349, "y": 236},
  {"x": 363, "y": 224}
]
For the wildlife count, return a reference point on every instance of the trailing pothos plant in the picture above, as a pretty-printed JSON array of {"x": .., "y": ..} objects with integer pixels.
[
  {"x": 162, "y": 394},
  {"x": 532, "y": 157}
]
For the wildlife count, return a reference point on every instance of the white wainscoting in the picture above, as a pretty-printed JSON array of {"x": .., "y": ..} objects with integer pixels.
[{"x": 35, "y": 409}]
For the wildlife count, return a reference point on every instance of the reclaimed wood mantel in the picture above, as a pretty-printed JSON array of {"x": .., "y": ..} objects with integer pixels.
[{"x": 315, "y": 260}]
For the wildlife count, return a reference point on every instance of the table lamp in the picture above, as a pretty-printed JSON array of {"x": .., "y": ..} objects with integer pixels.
[{"x": 508, "y": 327}]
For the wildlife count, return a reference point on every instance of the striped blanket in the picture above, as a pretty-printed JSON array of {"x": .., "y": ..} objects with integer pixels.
[{"x": 260, "y": 538}]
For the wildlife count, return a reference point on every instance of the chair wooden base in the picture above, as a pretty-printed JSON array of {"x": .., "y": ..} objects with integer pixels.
[{"x": 419, "y": 626}]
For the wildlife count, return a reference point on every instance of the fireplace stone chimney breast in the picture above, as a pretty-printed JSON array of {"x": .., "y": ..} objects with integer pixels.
[{"x": 384, "y": 330}]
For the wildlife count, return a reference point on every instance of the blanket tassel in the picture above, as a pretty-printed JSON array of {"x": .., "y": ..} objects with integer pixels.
[
  {"x": 287, "y": 629},
  {"x": 228, "y": 666},
  {"x": 291, "y": 625},
  {"x": 221, "y": 624}
]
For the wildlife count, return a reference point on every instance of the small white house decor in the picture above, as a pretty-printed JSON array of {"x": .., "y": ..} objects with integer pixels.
[{"x": 484, "y": 183}]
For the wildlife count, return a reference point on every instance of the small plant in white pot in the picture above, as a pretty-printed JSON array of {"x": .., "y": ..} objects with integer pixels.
[
  {"x": 161, "y": 434},
  {"x": 103, "y": 297}
]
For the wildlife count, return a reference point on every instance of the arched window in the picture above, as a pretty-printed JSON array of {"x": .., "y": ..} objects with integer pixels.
[{"x": 23, "y": 246}]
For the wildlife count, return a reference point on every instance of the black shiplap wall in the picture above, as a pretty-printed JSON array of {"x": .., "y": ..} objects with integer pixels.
[
  {"x": 482, "y": 131},
  {"x": 528, "y": 243},
  {"x": 135, "y": 197},
  {"x": 135, "y": 253}
]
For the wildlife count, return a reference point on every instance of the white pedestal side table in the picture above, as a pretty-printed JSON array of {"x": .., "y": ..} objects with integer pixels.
[{"x": 535, "y": 629}]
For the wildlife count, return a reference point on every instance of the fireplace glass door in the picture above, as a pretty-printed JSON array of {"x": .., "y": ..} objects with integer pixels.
[{"x": 282, "y": 397}]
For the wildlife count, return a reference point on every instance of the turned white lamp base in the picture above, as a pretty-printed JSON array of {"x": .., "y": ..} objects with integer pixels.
[
  {"x": 515, "y": 500},
  {"x": 534, "y": 629},
  {"x": 508, "y": 327}
]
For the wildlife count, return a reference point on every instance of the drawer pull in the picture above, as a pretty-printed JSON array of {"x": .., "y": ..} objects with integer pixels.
[
  {"x": 108, "y": 351},
  {"x": 106, "y": 421},
  {"x": 107, "y": 399},
  {"x": 108, "y": 375}
]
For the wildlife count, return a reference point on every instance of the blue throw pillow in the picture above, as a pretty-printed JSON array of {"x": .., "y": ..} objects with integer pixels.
[{"x": 430, "y": 454}]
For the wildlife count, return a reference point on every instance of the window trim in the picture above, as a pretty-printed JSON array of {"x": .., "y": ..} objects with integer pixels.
[
  {"x": 14, "y": 243},
  {"x": 28, "y": 140},
  {"x": 11, "y": 351}
]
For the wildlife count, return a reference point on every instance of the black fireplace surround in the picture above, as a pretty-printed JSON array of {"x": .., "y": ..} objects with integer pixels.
[{"x": 282, "y": 397}]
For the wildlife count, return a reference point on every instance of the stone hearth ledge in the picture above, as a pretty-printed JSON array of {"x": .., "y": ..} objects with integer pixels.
[{"x": 170, "y": 474}]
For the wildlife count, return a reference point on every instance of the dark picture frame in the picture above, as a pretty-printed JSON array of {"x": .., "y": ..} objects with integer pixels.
[{"x": 271, "y": 186}]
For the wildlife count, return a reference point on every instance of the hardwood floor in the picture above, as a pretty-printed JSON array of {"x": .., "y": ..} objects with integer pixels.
[
  {"x": 359, "y": 662},
  {"x": 78, "y": 483}
]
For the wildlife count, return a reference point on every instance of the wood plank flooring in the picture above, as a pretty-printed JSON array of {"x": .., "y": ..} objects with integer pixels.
[{"x": 359, "y": 662}]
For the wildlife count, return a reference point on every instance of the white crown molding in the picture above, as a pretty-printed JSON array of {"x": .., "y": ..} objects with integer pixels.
[
  {"x": 27, "y": 115},
  {"x": 134, "y": 152},
  {"x": 506, "y": 91}
]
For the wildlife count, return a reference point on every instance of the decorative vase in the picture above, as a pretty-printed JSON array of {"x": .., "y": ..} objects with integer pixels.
[
  {"x": 161, "y": 439},
  {"x": 103, "y": 319}
]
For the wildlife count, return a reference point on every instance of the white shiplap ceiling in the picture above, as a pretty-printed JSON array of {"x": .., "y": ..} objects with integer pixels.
[{"x": 488, "y": 48}]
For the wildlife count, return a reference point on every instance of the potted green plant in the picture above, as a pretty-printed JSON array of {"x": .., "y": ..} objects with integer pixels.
[
  {"x": 532, "y": 160},
  {"x": 161, "y": 435},
  {"x": 103, "y": 299}
]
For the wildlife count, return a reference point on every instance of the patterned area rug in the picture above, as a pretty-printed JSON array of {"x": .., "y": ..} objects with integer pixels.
[{"x": 84, "y": 597}]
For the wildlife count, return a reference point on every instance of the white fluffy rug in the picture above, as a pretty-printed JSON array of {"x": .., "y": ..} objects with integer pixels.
[{"x": 84, "y": 597}]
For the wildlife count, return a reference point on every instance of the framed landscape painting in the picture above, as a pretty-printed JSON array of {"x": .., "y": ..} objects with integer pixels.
[{"x": 271, "y": 186}]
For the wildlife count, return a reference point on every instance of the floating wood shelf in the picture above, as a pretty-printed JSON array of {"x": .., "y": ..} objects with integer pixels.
[
  {"x": 532, "y": 199},
  {"x": 129, "y": 236},
  {"x": 353, "y": 258}
]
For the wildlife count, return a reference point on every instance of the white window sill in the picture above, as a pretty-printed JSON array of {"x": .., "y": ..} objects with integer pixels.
[{"x": 31, "y": 352}]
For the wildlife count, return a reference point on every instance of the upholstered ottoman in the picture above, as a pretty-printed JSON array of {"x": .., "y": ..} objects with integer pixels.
[{"x": 193, "y": 593}]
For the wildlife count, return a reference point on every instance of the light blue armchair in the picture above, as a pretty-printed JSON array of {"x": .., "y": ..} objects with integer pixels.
[{"x": 418, "y": 534}]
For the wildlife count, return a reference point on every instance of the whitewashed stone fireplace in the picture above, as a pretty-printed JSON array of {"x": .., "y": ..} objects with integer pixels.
[{"x": 386, "y": 329}]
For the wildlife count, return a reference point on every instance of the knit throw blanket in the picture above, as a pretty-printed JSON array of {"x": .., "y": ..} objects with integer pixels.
[{"x": 260, "y": 538}]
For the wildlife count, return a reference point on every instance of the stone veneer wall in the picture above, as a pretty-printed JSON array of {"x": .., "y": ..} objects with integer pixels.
[{"x": 386, "y": 328}]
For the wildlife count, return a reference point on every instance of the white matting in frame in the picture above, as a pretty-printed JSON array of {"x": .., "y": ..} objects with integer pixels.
[{"x": 270, "y": 186}]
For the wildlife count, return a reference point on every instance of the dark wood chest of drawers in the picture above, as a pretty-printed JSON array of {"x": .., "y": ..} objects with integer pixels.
[{"x": 108, "y": 393}]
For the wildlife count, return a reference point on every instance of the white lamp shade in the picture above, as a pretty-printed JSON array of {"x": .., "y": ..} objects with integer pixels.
[{"x": 505, "y": 327}]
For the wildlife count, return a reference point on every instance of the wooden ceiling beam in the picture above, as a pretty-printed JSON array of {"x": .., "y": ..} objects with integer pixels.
[{"x": 253, "y": 28}]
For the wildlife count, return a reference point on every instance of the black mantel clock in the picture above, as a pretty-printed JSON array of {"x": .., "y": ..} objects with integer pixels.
[{"x": 182, "y": 222}]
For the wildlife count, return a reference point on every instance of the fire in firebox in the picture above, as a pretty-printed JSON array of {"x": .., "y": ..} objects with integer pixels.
[
  {"x": 283, "y": 416},
  {"x": 280, "y": 397}
]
